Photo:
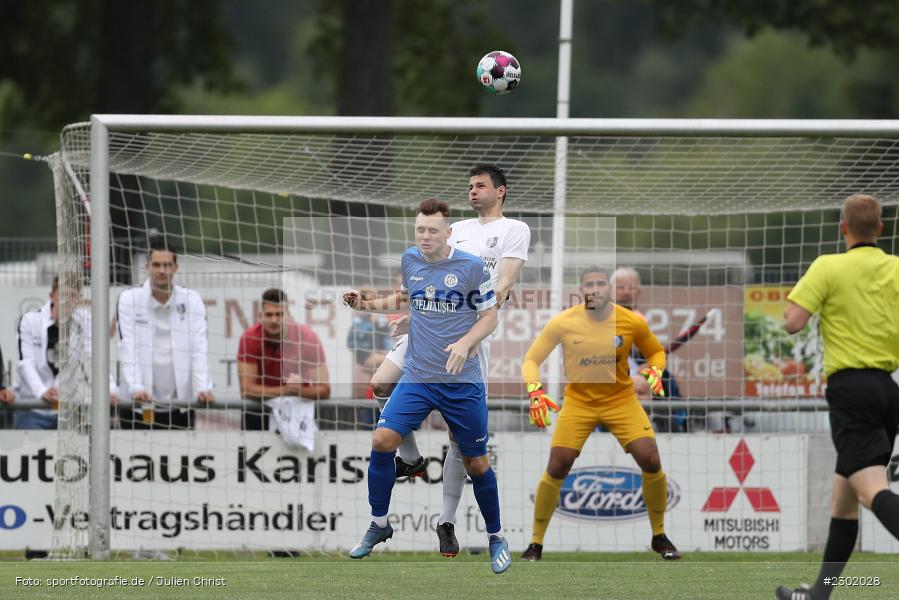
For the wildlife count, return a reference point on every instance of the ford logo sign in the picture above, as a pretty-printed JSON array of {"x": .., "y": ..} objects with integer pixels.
[{"x": 607, "y": 494}]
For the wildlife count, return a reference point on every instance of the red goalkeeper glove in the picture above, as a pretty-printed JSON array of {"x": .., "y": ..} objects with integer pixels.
[
  {"x": 653, "y": 376},
  {"x": 540, "y": 405}
]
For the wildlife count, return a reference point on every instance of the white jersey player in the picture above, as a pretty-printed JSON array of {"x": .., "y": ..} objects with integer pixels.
[{"x": 502, "y": 244}]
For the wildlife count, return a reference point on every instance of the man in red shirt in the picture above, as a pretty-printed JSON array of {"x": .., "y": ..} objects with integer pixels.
[{"x": 279, "y": 357}]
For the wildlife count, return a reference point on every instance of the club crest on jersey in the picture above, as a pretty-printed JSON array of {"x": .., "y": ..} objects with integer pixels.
[
  {"x": 617, "y": 341},
  {"x": 430, "y": 291},
  {"x": 450, "y": 281},
  {"x": 492, "y": 241}
]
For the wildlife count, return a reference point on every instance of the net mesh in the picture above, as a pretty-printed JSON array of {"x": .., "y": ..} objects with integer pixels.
[
  {"x": 718, "y": 228},
  {"x": 70, "y": 503},
  {"x": 607, "y": 175}
]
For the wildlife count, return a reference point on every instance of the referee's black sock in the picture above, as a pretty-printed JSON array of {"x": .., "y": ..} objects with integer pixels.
[
  {"x": 885, "y": 507},
  {"x": 840, "y": 542}
]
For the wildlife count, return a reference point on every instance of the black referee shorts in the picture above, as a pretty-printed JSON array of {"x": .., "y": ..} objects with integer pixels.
[{"x": 864, "y": 415}]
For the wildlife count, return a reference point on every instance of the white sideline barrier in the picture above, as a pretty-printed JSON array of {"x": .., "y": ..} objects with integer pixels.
[{"x": 726, "y": 492}]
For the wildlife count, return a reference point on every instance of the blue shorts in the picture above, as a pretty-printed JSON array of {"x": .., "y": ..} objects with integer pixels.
[{"x": 463, "y": 406}]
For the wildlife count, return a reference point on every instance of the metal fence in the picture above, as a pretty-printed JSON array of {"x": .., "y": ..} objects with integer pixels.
[{"x": 27, "y": 261}]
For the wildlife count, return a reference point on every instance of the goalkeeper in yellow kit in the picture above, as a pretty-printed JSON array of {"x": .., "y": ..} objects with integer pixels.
[{"x": 596, "y": 338}]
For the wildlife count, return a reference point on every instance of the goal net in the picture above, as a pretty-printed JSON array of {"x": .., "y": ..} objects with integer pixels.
[{"x": 718, "y": 227}]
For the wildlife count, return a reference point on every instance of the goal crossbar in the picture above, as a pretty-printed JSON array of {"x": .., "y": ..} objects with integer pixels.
[{"x": 507, "y": 126}]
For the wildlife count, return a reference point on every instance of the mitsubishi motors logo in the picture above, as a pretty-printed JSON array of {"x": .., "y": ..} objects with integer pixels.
[{"x": 721, "y": 498}]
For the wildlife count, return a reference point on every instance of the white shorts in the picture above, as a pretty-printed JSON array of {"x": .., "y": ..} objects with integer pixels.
[{"x": 397, "y": 354}]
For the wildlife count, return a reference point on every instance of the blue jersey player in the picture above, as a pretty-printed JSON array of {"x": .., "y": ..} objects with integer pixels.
[{"x": 452, "y": 308}]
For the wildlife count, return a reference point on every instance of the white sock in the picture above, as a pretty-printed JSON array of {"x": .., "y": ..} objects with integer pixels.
[
  {"x": 408, "y": 449},
  {"x": 453, "y": 483},
  {"x": 379, "y": 521}
]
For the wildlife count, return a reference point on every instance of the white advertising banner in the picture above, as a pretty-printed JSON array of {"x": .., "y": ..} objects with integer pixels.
[{"x": 205, "y": 490}]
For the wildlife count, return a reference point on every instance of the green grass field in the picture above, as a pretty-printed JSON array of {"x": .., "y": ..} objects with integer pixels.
[{"x": 583, "y": 575}]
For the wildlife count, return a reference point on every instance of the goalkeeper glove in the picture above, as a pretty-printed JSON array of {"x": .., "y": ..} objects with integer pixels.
[
  {"x": 540, "y": 405},
  {"x": 653, "y": 376}
]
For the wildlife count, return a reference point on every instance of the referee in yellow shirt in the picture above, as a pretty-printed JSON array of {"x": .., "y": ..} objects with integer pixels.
[
  {"x": 596, "y": 338},
  {"x": 856, "y": 295}
]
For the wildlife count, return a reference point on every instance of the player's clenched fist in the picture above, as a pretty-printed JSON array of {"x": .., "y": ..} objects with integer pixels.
[
  {"x": 540, "y": 405},
  {"x": 352, "y": 299},
  {"x": 653, "y": 376}
]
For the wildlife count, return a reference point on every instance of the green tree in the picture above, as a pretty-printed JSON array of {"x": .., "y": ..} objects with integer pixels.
[
  {"x": 432, "y": 58},
  {"x": 62, "y": 60},
  {"x": 847, "y": 27},
  {"x": 752, "y": 80}
]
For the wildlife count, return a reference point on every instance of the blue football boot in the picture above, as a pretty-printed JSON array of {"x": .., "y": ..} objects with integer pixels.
[
  {"x": 500, "y": 557},
  {"x": 374, "y": 536}
]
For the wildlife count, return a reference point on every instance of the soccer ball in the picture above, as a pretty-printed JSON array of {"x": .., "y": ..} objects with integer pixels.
[{"x": 499, "y": 72}]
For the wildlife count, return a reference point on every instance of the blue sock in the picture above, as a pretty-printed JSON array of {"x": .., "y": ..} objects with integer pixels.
[
  {"x": 486, "y": 493},
  {"x": 381, "y": 476}
]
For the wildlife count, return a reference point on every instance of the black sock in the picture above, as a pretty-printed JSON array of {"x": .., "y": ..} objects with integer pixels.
[
  {"x": 885, "y": 507},
  {"x": 840, "y": 542}
]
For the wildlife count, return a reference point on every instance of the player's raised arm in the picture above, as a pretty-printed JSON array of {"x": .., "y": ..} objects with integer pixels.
[
  {"x": 509, "y": 268},
  {"x": 515, "y": 253},
  {"x": 394, "y": 303}
]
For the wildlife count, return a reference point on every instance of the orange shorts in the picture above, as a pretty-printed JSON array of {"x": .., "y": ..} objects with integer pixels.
[{"x": 625, "y": 419}]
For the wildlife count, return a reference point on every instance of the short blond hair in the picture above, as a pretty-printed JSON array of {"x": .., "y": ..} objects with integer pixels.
[{"x": 861, "y": 213}]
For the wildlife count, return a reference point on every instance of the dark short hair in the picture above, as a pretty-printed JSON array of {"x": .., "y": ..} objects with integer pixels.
[
  {"x": 432, "y": 206},
  {"x": 160, "y": 243},
  {"x": 497, "y": 175},
  {"x": 595, "y": 269},
  {"x": 274, "y": 296}
]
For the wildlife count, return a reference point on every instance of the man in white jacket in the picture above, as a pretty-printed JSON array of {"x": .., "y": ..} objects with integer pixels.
[
  {"x": 162, "y": 347},
  {"x": 39, "y": 367},
  {"x": 37, "y": 338}
]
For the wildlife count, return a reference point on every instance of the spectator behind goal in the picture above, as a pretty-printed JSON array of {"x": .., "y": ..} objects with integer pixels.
[
  {"x": 626, "y": 289},
  {"x": 279, "y": 357},
  {"x": 38, "y": 366},
  {"x": 162, "y": 347}
]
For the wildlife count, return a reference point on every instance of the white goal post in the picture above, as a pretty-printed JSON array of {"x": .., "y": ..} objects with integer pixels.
[{"x": 659, "y": 172}]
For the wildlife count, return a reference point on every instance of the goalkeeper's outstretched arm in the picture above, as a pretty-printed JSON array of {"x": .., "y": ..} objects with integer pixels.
[
  {"x": 548, "y": 339},
  {"x": 654, "y": 353},
  {"x": 650, "y": 347},
  {"x": 539, "y": 402}
]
